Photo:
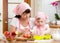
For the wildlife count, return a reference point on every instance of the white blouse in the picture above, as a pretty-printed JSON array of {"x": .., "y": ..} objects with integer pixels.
[
  {"x": 41, "y": 31},
  {"x": 15, "y": 23}
]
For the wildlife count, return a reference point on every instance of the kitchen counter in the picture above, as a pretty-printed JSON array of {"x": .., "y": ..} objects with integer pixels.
[
  {"x": 54, "y": 26},
  {"x": 29, "y": 42}
]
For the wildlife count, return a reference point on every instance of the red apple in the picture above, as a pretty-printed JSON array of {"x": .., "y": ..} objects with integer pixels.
[
  {"x": 28, "y": 36},
  {"x": 24, "y": 35},
  {"x": 6, "y": 33},
  {"x": 13, "y": 34},
  {"x": 10, "y": 38}
]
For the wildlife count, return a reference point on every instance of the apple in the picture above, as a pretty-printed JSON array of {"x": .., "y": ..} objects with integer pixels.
[
  {"x": 13, "y": 34},
  {"x": 28, "y": 36},
  {"x": 6, "y": 33},
  {"x": 24, "y": 35},
  {"x": 10, "y": 38}
]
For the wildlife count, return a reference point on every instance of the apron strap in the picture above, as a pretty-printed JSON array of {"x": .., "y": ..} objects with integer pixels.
[{"x": 19, "y": 25}]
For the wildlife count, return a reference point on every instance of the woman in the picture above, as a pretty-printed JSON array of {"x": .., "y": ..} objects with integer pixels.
[{"x": 22, "y": 21}]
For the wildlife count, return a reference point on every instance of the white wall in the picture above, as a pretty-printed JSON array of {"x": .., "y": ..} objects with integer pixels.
[
  {"x": 44, "y": 5},
  {"x": 15, "y": 1},
  {"x": 58, "y": 8},
  {"x": 11, "y": 6},
  {"x": 10, "y": 10},
  {"x": 1, "y": 29},
  {"x": 33, "y": 8}
]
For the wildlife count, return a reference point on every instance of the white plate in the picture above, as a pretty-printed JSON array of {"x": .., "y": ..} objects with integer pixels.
[{"x": 43, "y": 41}]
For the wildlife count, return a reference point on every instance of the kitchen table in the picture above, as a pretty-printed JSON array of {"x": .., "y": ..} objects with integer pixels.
[
  {"x": 29, "y": 42},
  {"x": 37, "y": 42}
]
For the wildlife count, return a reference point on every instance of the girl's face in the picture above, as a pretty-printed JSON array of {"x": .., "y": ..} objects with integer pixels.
[
  {"x": 40, "y": 21},
  {"x": 25, "y": 16}
]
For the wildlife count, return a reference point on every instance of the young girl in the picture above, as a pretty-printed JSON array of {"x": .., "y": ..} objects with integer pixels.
[{"x": 40, "y": 27}]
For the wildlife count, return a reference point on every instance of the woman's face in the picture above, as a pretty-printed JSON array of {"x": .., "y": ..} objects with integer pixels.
[
  {"x": 25, "y": 16},
  {"x": 40, "y": 21}
]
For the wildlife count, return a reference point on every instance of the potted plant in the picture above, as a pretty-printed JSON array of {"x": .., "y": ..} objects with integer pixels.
[
  {"x": 55, "y": 4},
  {"x": 57, "y": 16}
]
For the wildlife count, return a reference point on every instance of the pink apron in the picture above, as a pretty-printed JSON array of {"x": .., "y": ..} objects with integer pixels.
[
  {"x": 27, "y": 31},
  {"x": 40, "y": 30}
]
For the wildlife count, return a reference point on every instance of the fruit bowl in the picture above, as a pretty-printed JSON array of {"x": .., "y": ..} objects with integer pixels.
[{"x": 21, "y": 39}]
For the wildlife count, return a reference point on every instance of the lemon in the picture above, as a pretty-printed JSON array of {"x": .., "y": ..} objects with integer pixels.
[
  {"x": 36, "y": 37},
  {"x": 16, "y": 32},
  {"x": 43, "y": 37},
  {"x": 47, "y": 36}
]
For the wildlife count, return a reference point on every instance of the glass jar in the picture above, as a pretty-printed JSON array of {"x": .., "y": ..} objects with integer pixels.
[{"x": 56, "y": 34}]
